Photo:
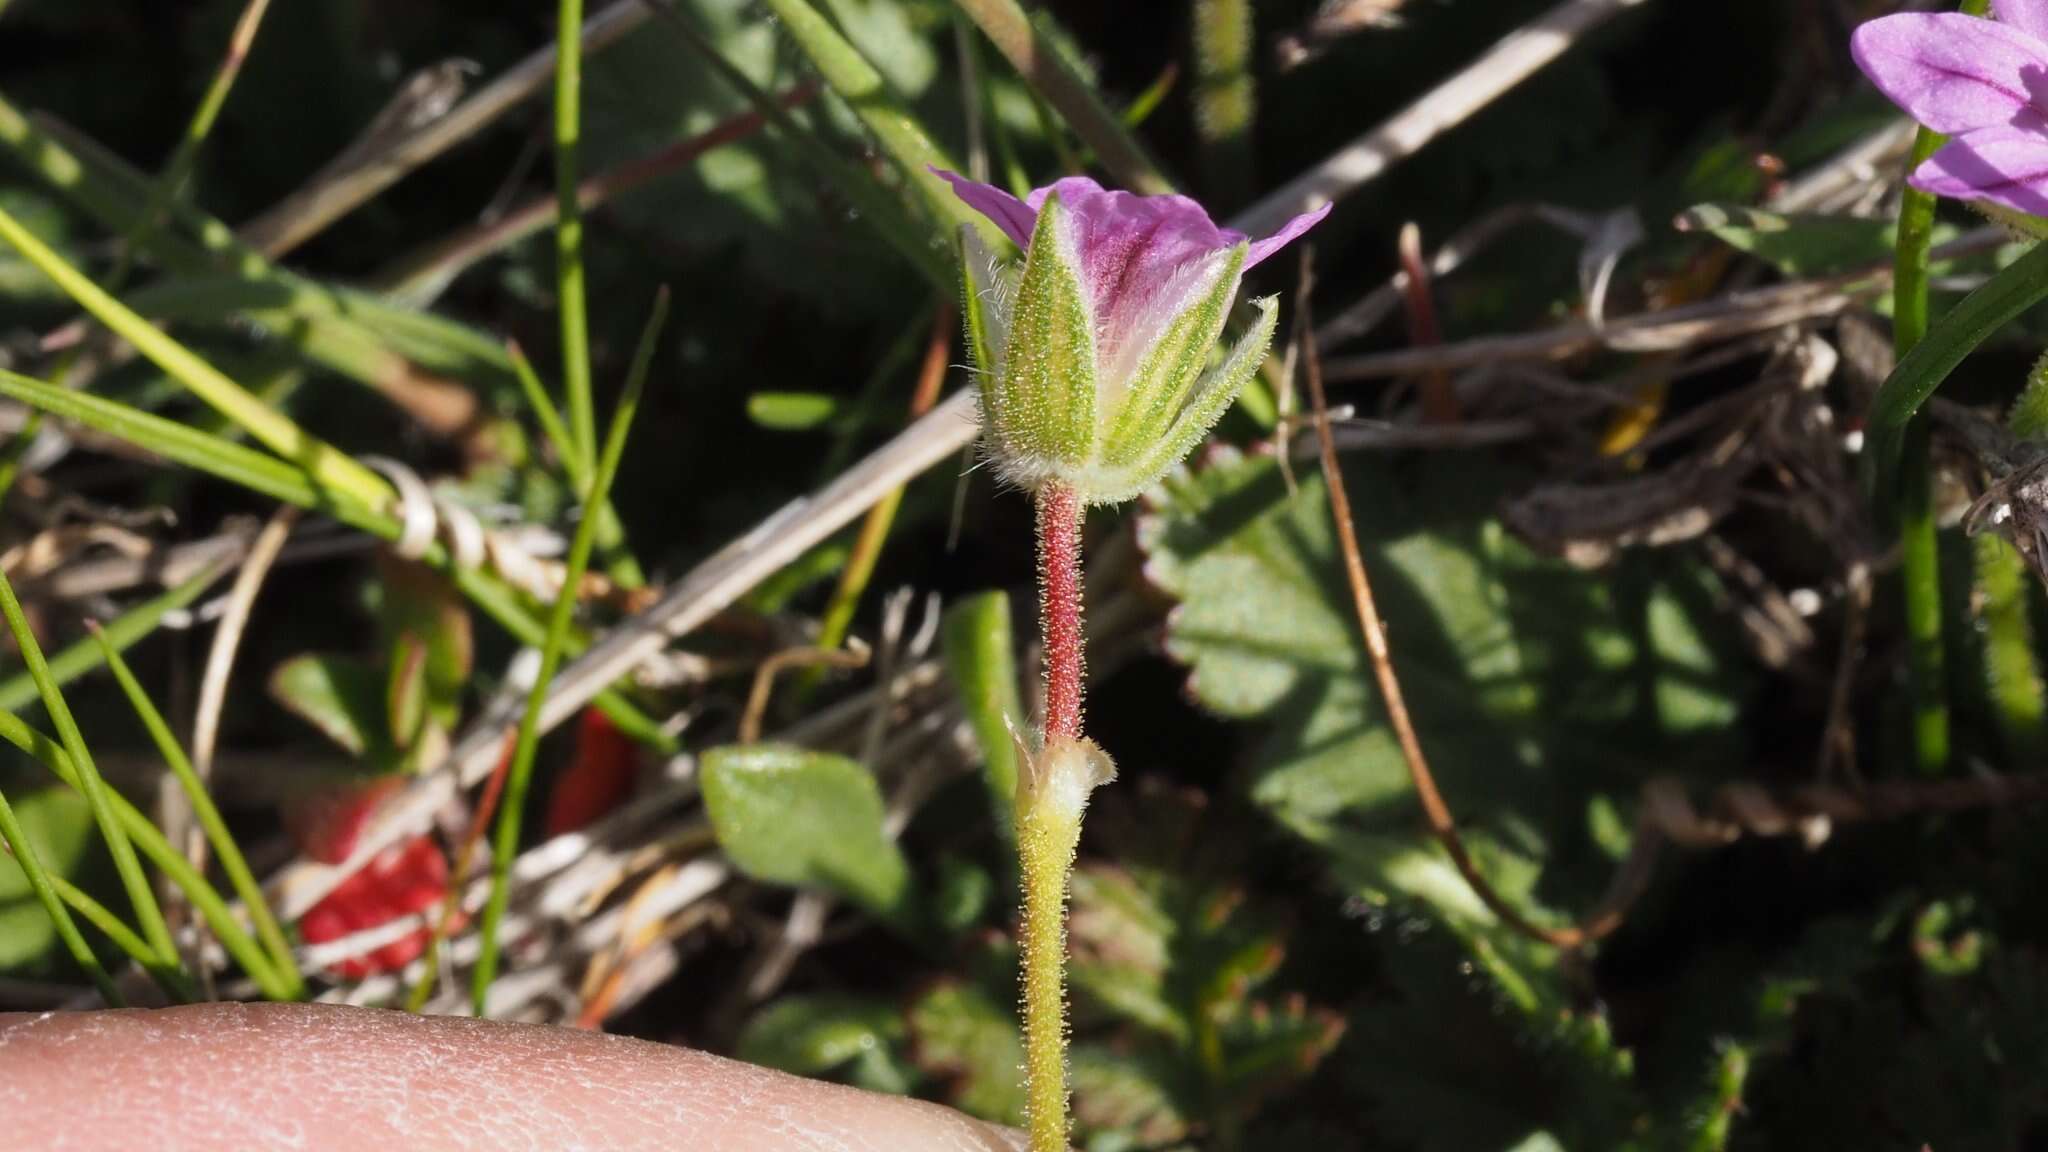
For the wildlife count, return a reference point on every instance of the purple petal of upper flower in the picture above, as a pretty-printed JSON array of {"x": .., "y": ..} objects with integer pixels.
[
  {"x": 1953, "y": 72},
  {"x": 2006, "y": 165},
  {"x": 2029, "y": 16}
]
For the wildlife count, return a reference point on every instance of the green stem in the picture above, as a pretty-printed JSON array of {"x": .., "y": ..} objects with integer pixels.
[
  {"x": 1047, "y": 837},
  {"x": 570, "y": 300},
  {"x": 276, "y": 431},
  {"x": 620, "y": 563},
  {"x": 512, "y": 805},
  {"x": 1919, "y": 551},
  {"x": 1052, "y": 793},
  {"x": 123, "y": 632}
]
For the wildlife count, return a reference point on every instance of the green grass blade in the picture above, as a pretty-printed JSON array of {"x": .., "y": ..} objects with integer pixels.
[
  {"x": 1036, "y": 58},
  {"x": 1997, "y": 302},
  {"x": 239, "y": 465},
  {"x": 570, "y": 303},
  {"x": 46, "y": 893},
  {"x": 906, "y": 141},
  {"x": 620, "y": 564},
  {"x": 91, "y": 786},
  {"x": 169, "y": 185},
  {"x": 265, "y": 474},
  {"x": 333, "y": 469},
  {"x": 123, "y": 632},
  {"x": 879, "y": 208},
  {"x": 150, "y": 841},
  {"x": 174, "y": 982},
  {"x": 511, "y": 806},
  {"x": 17, "y": 451},
  {"x": 224, "y": 847},
  {"x": 550, "y": 419}
]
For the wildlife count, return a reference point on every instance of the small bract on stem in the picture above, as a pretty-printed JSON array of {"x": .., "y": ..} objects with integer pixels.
[{"x": 1096, "y": 378}]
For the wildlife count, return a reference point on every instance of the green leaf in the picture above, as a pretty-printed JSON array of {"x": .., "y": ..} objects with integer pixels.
[
  {"x": 960, "y": 1033},
  {"x": 806, "y": 819},
  {"x": 793, "y": 411},
  {"x": 342, "y": 696},
  {"x": 1534, "y": 688},
  {"x": 1802, "y": 244},
  {"x": 981, "y": 658},
  {"x": 1137, "y": 1095},
  {"x": 59, "y": 823},
  {"x": 2009, "y": 294},
  {"x": 828, "y": 1035}
]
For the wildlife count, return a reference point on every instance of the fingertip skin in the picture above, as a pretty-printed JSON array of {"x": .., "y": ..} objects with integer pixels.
[{"x": 326, "y": 1077}]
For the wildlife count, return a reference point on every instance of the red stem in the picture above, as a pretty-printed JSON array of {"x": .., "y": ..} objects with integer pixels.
[{"x": 1059, "y": 606}]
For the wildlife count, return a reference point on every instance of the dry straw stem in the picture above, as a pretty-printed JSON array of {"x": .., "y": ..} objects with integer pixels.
[
  {"x": 304, "y": 213},
  {"x": 220, "y": 662},
  {"x": 1744, "y": 313},
  {"x": 1520, "y": 55}
]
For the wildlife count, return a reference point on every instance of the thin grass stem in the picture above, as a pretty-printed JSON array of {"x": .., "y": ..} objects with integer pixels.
[
  {"x": 505, "y": 843},
  {"x": 203, "y": 810}
]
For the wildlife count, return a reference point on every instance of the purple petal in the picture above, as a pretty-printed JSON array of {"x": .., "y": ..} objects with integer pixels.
[
  {"x": 2005, "y": 165},
  {"x": 1009, "y": 213},
  {"x": 2029, "y": 16},
  {"x": 1953, "y": 72},
  {"x": 1132, "y": 250},
  {"x": 1287, "y": 234}
]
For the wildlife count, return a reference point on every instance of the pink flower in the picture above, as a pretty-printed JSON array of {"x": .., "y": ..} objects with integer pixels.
[
  {"x": 1983, "y": 82},
  {"x": 1095, "y": 355}
]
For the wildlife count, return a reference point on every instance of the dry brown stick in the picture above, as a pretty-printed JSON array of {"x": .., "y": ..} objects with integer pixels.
[{"x": 764, "y": 680}]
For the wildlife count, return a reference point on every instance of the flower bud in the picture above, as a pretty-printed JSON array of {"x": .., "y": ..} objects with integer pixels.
[{"x": 1094, "y": 356}]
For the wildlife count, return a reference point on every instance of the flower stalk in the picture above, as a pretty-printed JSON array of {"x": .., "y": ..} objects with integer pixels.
[
  {"x": 1059, "y": 589},
  {"x": 1096, "y": 375}
]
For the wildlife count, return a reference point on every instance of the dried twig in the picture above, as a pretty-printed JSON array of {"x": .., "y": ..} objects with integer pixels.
[
  {"x": 1517, "y": 57},
  {"x": 1438, "y": 814},
  {"x": 385, "y": 157},
  {"x": 1667, "y": 330},
  {"x": 764, "y": 679}
]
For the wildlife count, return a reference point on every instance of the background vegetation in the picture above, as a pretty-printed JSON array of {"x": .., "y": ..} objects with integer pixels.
[{"x": 1605, "y": 475}]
